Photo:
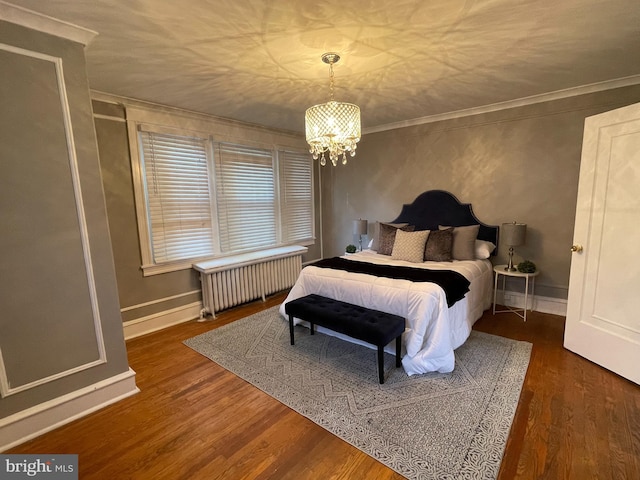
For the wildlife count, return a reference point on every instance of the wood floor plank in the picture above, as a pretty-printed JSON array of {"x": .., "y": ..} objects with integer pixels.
[
  {"x": 195, "y": 420},
  {"x": 632, "y": 406}
]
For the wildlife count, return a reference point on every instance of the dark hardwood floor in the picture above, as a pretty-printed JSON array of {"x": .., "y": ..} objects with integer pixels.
[{"x": 195, "y": 420}]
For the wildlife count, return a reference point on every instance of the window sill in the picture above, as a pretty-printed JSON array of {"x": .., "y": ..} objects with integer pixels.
[{"x": 150, "y": 270}]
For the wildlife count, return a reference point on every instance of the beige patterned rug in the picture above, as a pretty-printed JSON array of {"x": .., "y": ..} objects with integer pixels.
[{"x": 433, "y": 426}]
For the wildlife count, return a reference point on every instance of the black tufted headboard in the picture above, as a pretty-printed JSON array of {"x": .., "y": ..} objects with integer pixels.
[{"x": 437, "y": 207}]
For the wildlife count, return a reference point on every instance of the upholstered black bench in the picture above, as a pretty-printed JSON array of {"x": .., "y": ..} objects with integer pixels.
[{"x": 371, "y": 326}]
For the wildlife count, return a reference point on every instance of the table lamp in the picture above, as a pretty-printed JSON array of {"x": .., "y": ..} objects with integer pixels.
[
  {"x": 360, "y": 228},
  {"x": 513, "y": 234}
]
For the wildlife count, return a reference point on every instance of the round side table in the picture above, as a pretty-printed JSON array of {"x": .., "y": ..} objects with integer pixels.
[{"x": 501, "y": 270}]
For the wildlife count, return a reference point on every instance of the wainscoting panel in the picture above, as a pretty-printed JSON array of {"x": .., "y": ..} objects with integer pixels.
[{"x": 46, "y": 252}]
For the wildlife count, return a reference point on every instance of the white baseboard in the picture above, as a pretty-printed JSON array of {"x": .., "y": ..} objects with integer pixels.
[
  {"x": 32, "y": 422},
  {"x": 158, "y": 321},
  {"x": 555, "y": 306}
]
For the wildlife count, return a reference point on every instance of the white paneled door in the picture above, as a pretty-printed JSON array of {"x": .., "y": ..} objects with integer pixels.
[{"x": 603, "y": 312}]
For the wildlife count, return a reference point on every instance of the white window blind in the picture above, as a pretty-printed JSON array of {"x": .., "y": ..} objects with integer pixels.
[
  {"x": 245, "y": 197},
  {"x": 296, "y": 196},
  {"x": 178, "y": 196}
]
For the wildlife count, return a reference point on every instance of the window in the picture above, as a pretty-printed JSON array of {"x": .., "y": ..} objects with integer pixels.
[
  {"x": 177, "y": 196},
  {"x": 198, "y": 198},
  {"x": 246, "y": 197},
  {"x": 296, "y": 195}
]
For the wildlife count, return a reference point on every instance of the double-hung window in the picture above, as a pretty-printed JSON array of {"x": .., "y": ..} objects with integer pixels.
[
  {"x": 178, "y": 196},
  {"x": 200, "y": 198},
  {"x": 296, "y": 181},
  {"x": 245, "y": 197}
]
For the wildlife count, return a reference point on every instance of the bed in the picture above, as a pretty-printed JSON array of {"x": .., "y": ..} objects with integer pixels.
[{"x": 437, "y": 323}]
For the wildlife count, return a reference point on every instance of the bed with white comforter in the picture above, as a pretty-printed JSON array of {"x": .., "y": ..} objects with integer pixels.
[{"x": 433, "y": 329}]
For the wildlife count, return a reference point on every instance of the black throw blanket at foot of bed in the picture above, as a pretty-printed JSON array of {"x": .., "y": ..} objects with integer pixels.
[{"x": 454, "y": 284}]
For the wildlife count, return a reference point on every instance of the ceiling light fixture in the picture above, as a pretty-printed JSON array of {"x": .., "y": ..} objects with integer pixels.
[{"x": 332, "y": 127}]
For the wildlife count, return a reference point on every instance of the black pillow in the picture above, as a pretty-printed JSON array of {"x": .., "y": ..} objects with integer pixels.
[{"x": 439, "y": 246}]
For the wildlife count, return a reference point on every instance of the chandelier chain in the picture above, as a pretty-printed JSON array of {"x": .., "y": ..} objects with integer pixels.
[{"x": 331, "y": 80}]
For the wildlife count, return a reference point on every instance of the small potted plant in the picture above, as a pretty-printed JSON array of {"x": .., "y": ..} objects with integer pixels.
[
  {"x": 527, "y": 266},
  {"x": 350, "y": 249}
]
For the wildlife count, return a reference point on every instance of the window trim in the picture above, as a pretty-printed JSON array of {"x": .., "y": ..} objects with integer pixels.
[{"x": 144, "y": 235}]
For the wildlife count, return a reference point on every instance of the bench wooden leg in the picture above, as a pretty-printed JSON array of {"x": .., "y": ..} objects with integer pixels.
[
  {"x": 398, "y": 351},
  {"x": 291, "y": 328},
  {"x": 312, "y": 327},
  {"x": 381, "y": 364}
]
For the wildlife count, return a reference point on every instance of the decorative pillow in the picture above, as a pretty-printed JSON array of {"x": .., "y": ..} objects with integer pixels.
[
  {"x": 464, "y": 242},
  {"x": 439, "y": 244},
  {"x": 409, "y": 246},
  {"x": 388, "y": 237},
  {"x": 376, "y": 233},
  {"x": 484, "y": 249}
]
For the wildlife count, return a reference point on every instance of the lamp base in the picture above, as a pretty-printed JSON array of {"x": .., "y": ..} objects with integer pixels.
[{"x": 510, "y": 267}]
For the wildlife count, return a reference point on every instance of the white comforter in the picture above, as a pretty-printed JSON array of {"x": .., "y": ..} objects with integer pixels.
[{"x": 433, "y": 330}]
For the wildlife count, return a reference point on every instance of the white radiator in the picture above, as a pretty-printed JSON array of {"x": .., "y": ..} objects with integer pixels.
[{"x": 230, "y": 281}]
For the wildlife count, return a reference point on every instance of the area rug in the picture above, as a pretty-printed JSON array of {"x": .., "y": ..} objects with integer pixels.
[{"x": 431, "y": 426}]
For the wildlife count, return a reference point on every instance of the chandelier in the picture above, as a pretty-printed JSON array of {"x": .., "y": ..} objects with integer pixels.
[{"x": 332, "y": 128}]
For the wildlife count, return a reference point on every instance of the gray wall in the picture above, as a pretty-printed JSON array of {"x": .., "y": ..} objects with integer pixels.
[
  {"x": 47, "y": 323},
  {"x": 517, "y": 164},
  {"x": 135, "y": 289}
]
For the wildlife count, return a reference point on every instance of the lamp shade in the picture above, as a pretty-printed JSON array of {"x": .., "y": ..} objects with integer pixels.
[
  {"x": 333, "y": 127},
  {"x": 514, "y": 234},
  {"x": 360, "y": 227}
]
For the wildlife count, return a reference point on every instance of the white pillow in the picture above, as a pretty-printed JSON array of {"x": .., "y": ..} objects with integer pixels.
[
  {"x": 409, "y": 246},
  {"x": 484, "y": 249}
]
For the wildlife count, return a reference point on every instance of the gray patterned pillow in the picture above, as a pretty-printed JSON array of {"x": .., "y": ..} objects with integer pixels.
[
  {"x": 409, "y": 246},
  {"x": 388, "y": 237},
  {"x": 464, "y": 242},
  {"x": 439, "y": 244}
]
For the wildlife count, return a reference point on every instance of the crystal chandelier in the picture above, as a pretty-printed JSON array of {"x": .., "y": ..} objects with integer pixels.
[{"x": 332, "y": 128}]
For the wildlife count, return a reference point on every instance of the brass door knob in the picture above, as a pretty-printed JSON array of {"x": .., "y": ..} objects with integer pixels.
[{"x": 576, "y": 248}]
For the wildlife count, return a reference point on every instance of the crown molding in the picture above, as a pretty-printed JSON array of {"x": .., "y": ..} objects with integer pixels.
[
  {"x": 43, "y": 23},
  {"x": 520, "y": 102},
  {"x": 129, "y": 102}
]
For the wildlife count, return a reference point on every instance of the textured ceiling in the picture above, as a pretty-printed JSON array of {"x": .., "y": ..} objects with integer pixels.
[{"x": 259, "y": 61}]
